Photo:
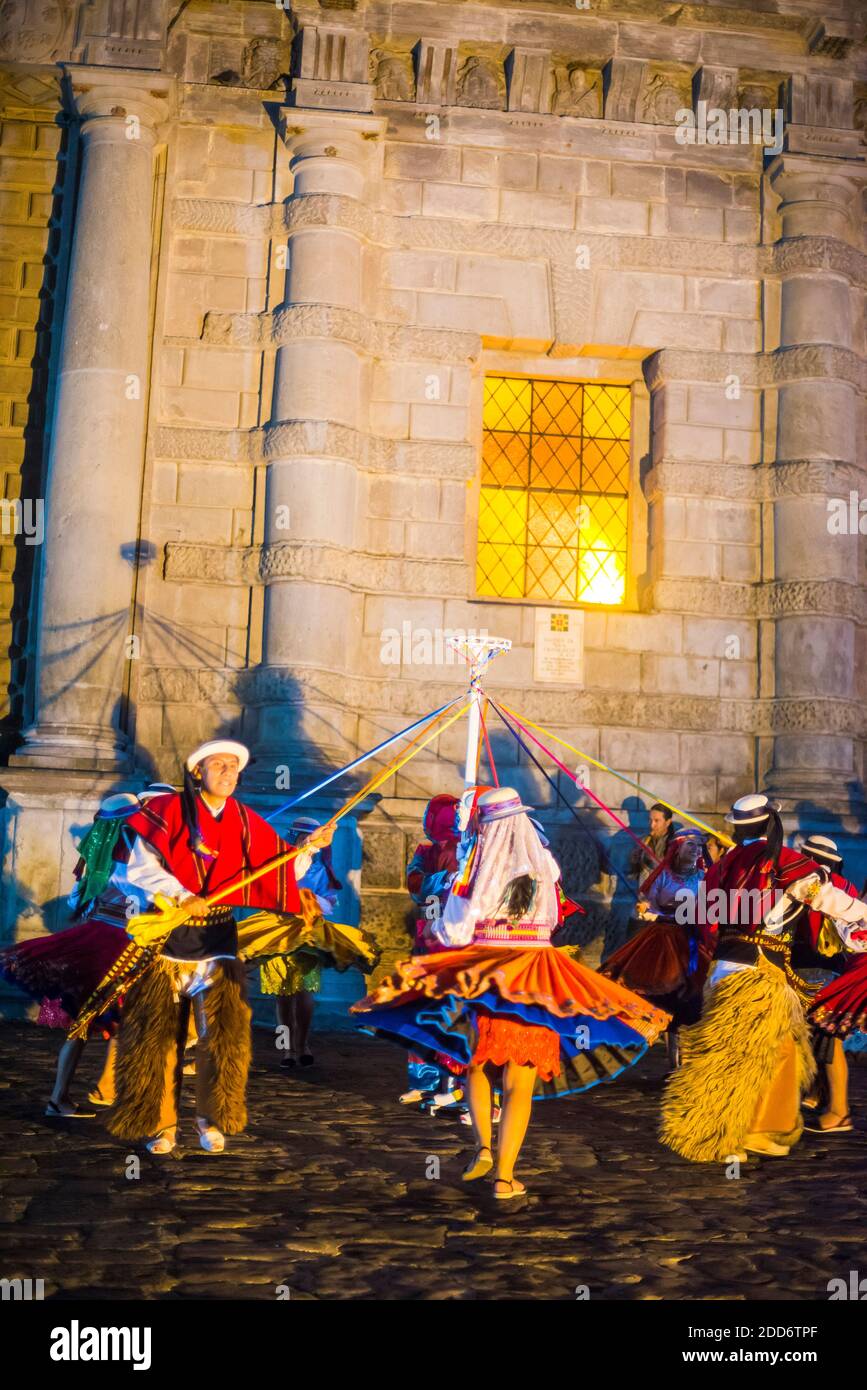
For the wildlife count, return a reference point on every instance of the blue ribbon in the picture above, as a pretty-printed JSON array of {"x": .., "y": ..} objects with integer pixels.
[{"x": 386, "y": 743}]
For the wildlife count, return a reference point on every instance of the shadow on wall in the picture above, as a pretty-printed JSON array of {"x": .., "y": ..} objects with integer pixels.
[{"x": 815, "y": 819}]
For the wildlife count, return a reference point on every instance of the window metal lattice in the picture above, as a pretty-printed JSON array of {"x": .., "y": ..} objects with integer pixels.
[{"x": 555, "y": 491}]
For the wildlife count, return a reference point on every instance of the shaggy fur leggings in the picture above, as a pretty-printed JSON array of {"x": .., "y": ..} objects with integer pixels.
[{"x": 151, "y": 1048}]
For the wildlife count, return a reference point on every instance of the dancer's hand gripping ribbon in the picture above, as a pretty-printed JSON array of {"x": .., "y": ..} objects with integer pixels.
[{"x": 152, "y": 928}]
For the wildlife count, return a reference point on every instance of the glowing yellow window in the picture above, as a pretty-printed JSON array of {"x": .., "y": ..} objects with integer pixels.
[{"x": 555, "y": 491}]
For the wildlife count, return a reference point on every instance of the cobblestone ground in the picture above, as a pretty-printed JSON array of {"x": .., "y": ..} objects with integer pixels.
[{"x": 327, "y": 1195}]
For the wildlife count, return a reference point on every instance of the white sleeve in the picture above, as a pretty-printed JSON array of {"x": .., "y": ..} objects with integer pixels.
[
  {"x": 555, "y": 867},
  {"x": 145, "y": 873},
  {"x": 457, "y": 924},
  {"x": 833, "y": 902}
]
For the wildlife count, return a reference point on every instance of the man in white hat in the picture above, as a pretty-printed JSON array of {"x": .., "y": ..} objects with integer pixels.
[
  {"x": 748, "y": 1060},
  {"x": 189, "y": 847}
]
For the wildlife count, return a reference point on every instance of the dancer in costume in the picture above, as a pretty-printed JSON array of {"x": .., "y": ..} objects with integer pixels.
[
  {"x": 428, "y": 878},
  {"x": 296, "y": 979},
  {"x": 747, "y": 1062},
  {"x": 63, "y": 969},
  {"x": 838, "y": 1013},
  {"x": 819, "y": 956},
  {"x": 502, "y": 997},
  {"x": 666, "y": 962},
  {"x": 187, "y": 847}
]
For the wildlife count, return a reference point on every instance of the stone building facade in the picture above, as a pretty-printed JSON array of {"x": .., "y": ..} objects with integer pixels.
[{"x": 265, "y": 270}]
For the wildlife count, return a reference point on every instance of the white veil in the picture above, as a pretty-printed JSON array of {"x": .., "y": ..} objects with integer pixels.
[{"x": 507, "y": 848}]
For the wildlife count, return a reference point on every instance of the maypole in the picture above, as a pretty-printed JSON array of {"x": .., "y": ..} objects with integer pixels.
[{"x": 478, "y": 652}]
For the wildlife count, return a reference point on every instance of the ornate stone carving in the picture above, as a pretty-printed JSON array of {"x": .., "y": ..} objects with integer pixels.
[
  {"x": 610, "y": 709},
  {"x": 573, "y": 303},
  {"x": 577, "y": 91},
  {"x": 779, "y": 598},
  {"x": 758, "y": 482},
  {"x": 213, "y": 215},
  {"x": 266, "y": 63},
  {"x": 392, "y": 74},
  {"x": 221, "y": 446},
  {"x": 664, "y": 94},
  {"x": 380, "y": 339},
  {"x": 480, "y": 83},
  {"x": 818, "y": 362},
  {"x": 35, "y": 31}
]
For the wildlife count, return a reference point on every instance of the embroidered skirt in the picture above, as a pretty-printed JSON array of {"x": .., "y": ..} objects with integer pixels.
[{"x": 456, "y": 1002}]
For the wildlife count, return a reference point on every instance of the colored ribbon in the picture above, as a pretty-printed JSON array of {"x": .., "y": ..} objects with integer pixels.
[
  {"x": 718, "y": 834},
  {"x": 599, "y": 802},
  {"x": 357, "y": 762},
  {"x": 600, "y": 848}
]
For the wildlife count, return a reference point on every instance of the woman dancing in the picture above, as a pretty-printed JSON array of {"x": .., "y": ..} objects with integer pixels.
[
  {"x": 666, "y": 961},
  {"x": 502, "y": 998}
]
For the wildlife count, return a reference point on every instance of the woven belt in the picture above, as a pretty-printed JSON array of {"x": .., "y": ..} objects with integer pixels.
[
  {"x": 765, "y": 942},
  {"x": 504, "y": 933},
  {"x": 214, "y": 915}
]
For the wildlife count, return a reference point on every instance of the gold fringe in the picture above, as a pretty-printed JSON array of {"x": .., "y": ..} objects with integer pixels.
[{"x": 729, "y": 1060}]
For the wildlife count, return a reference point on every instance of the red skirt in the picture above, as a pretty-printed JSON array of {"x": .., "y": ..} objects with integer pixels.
[
  {"x": 655, "y": 963},
  {"x": 841, "y": 1007},
  {"x": 61, "y": 971}
]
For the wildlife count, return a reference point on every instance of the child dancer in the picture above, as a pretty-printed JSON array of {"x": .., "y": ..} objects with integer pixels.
[{"x": 501, "y": 998}]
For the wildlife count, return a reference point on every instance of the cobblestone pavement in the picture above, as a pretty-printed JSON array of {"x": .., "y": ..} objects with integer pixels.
[{"x": 327, "y": 1195}]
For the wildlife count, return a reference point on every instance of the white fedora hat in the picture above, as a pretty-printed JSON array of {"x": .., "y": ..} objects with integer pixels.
[
  {"x": 823, "y": 848},
  {"x": 219, "y": 745},
  {"x": 118, "y": 805},
  {"x": 749, "y": 809}
]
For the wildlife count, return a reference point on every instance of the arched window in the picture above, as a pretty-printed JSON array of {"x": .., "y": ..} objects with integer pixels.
[{"x": 554, "y": 499}]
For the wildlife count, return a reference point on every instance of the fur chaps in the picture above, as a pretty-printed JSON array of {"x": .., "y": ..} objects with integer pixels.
[
  {"x": 730, "y": 1058},
  {"x": 154, "y": 1023}
]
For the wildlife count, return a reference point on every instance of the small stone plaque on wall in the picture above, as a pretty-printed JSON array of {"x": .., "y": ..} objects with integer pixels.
[{"x": 558, "y": 652}]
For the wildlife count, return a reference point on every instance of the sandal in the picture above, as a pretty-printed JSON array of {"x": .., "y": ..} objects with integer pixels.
[
  {"x": 161, "y": 1143},
  {"x": 54, "y": 1112},
  {"x": 212, "y": 1140},
  {"x": 97, "y": 1098},
  {"x": 844, "y": 1127},
  {"x": 516, "y": 1189},
  {"x": 479, "y": 1166},
  {"x": 306, "y": 1059}
]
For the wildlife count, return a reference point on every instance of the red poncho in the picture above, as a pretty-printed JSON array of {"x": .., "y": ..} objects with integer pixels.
[{"x": 239, "y": 842}]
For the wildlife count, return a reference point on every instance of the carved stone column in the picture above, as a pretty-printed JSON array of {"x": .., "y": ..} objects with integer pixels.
[
  {"x": 98, "y": 434},
  {"x": 318, "y": 419},
  {"x": 816, "y": 703}
]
